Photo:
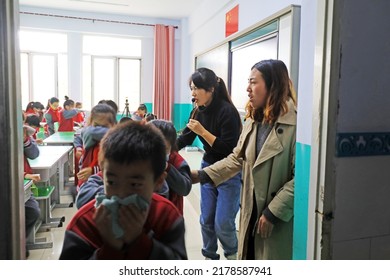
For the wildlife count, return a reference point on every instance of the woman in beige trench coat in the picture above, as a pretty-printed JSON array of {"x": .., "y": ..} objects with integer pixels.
[{"x": 265, "y": 153}]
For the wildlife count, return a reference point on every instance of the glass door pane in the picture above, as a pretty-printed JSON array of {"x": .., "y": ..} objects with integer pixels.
[
  {"x": 44, "y": 77},
  {"x": 129, "y": 83},
  {"x": 103, "y": 79},
  {"x": 86, "y": 88},
  {"x": 63, "y": 77}
]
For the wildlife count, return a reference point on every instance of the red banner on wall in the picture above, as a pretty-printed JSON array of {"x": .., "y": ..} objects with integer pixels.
[{"x": 231, "y": 25}]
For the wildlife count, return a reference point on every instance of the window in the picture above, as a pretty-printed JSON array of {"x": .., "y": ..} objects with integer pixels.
[
  {"x": 112, "y": 70},
  {"x": 44, "y": 66},
  {"x": 129, "y": 83},
  {"x": 43, "y": 77},
  {"x": 35, "y": 41}
]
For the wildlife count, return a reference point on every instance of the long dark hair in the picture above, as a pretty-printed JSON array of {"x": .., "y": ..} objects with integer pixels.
[
  {"x": 206, "y": 79},
  {"x": 102, "y": 109},
  {"x": 279, "y": 88},
  {"x": 37, "y": 105},
  {"x": 51, "y": 101}
]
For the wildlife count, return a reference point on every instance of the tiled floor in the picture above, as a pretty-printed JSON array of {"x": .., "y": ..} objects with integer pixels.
[{"x": 191, "y": 215}]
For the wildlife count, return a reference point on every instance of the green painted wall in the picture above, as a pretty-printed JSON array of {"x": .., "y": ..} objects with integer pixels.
[
  {"x": 149, "y": 107},
  {"x": 301, "y": 196},
  {"x": 180, "y": 115}
]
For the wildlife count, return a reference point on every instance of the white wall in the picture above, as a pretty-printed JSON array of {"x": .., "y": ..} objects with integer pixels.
[
  {"x": 306, "y": 70},
  {"x": 359, "y": 194}
]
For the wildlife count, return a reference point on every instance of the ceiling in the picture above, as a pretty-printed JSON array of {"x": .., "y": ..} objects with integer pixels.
[{"x": 169, "y": 9}]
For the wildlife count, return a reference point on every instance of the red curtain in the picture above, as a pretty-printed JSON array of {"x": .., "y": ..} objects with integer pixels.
[{"x": 164, "y": 39}]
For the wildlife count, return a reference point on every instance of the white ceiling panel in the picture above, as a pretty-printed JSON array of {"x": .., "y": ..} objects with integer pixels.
[{"x": 170, "y": 9}]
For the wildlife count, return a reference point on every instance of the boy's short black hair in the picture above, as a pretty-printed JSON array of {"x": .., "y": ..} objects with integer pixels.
[
  {"x": 32, "y": 120},
  {"x": 132, "y": 141},
  {"x": 168, "y": 130},
  {"x": 125, "y": 119}
]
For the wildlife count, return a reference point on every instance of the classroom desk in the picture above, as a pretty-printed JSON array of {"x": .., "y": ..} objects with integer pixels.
[
  {"x": 60, "y": 138},
  {"x": 52, "y": 161},
  {"x": 45, "y": 205},
  {"x": 63, "y": 139},
  {"x": 44, "y": 224},
  {"x": 32, "y": 242}
]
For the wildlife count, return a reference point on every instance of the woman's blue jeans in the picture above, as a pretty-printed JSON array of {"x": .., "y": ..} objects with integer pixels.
[{"x": 219, "y": 207}]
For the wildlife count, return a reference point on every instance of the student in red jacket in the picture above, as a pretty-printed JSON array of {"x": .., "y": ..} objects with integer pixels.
[
  {"x": 33, "y": 121},
  {"x": 52, "y": 114},
  {"x": 35, "y": 108},
  {"x": 66, "y": 116},
  {"x": 129, "y": 221},
  {"x": 102, "y": 118},
  {"x": 79, "y": 119},
  {"x": 178, "y": 170}
]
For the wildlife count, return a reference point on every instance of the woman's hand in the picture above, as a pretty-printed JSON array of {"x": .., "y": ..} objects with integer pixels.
[
  {"x": 264, "y": 227},
  {"x": 196, "y": 126},
  {"x": 195, "y": 176}
]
